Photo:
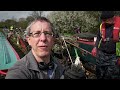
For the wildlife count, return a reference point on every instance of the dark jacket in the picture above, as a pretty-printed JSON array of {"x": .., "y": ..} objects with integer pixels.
[
  {"x": 106, "y": 46},
  {"x": 27, "y": 68}
]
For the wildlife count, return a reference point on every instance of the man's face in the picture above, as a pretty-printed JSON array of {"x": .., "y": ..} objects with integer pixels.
[{"x": 41, "y": 43}]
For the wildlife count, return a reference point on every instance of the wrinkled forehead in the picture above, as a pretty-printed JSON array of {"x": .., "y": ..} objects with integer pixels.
[{"x": 41, "y": 25}]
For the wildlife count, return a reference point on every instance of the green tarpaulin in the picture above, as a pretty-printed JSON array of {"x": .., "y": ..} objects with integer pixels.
[{"x": 8, "y": 56}]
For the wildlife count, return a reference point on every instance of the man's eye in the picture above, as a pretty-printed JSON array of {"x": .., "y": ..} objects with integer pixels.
[
  {"x": 36, "y": 33},
  {"x": 48, "y": 33}
]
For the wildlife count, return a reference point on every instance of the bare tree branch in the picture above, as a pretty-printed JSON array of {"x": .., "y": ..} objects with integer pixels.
[{"x": 36, "y": 14}]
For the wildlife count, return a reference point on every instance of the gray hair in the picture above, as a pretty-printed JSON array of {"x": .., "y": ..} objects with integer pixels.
[{"x": 28, "y": 29}]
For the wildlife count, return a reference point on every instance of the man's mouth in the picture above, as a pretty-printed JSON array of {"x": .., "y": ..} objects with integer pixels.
[{"x": 42, "y": 47}]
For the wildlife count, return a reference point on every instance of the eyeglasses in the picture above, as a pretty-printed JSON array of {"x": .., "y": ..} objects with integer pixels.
[{"x": 38, "y": 33}]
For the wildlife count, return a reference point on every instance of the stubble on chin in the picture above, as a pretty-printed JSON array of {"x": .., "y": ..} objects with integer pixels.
[{"x": 43, "y": 54}]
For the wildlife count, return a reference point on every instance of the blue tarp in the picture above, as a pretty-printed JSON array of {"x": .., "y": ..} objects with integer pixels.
[{"x": 7, "y": 54}]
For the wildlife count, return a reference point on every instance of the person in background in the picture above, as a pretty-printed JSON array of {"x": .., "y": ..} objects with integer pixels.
[
  {"x": 107, "y": 66},
  {"x": 78, "y": 30}
]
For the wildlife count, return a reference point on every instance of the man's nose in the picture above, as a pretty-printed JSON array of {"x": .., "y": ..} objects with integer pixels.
[{"x": 43, "y": 37}]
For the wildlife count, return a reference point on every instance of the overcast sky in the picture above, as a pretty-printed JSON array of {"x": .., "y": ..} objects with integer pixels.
[{"x": 16, "y": 14}]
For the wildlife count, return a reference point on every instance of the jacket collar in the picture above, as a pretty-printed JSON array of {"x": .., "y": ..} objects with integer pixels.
[{"x": 32, "y": 63}]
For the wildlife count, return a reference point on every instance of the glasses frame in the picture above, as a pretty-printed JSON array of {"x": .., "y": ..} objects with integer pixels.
[{"x": 46, "y": 33}]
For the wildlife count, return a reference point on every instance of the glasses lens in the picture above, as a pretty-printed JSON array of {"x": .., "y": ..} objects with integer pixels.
[{"x": 38, "y": 33}]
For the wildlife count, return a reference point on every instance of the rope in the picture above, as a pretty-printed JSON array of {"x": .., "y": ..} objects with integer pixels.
[
  {"x": 80, "y": 48},
  {"x": 67, "y": 49}
]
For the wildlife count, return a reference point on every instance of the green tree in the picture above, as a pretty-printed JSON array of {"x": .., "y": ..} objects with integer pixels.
[
  {"x": 67, "y": 21},
  {"x": 22, "y": 23},
  {"x": 10, "y": 22},
  {"x": 29, "y": 19}
]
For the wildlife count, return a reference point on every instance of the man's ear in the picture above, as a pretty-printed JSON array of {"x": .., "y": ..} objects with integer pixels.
[{"x": 27, "y": 38}]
